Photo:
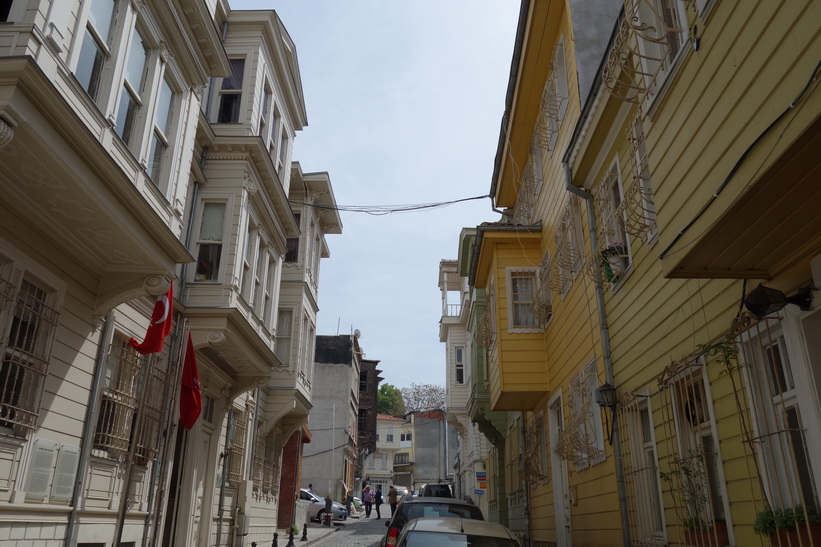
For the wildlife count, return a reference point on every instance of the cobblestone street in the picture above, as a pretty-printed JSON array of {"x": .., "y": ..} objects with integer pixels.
[{"x": 360, "y": 532}]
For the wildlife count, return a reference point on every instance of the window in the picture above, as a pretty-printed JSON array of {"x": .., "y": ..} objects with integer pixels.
[
  {"x": 583, "y": 435},
  {"x": 406, "y": 437},
  {"x": 237, "y": 445},
  {"x": 521, "y": 293},
  {"x": 614, "y": 246},
  {"x": 460, "y": 365},
  {"x": 695, "y": 469},
  {"x": 95, "y": 49},
  {"x": 569, "y": 245},
  {"x": 782, "y": 420},
  {"x": 641, "y": 470},
  {"x": 119, "y": 396},
  {"x": 285, "y": 321},
  {"x": 283, "y": 148},
  {"x": 265, "y": 112},
  {"x": 270, "y": 286},
  {"x": 400, "y": 458},
  {"x": 362, "y": 420},
  {"x": 161, "y": 134},
  {"x": 292, "y": 245},
  {"x": 363, "y": 380},
  {"x": 259, "y": 457},
  {"x": 271, "y": 465},
  {"x": 554, "y": 99},
  {"x": 535, "y": 457},
  {"x": 210, "y": 241},
  {"x": 660, "y": 26},
  {"x": 230, "y": 94},
  {"x": 134, "y": 80},
  {"x": 248, "y": 256},
  {"x": 30, "y": 321}
]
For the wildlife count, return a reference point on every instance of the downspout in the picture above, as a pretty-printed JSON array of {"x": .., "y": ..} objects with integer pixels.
[
  {"x": 92, "y": 409},
  {"x": 607, "y": 356}
]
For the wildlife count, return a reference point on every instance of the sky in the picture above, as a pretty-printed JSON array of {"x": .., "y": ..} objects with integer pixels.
[{"x": 404, "y": 101}]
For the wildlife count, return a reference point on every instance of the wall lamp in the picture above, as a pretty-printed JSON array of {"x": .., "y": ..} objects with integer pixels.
[
  {"x": 766, "y": 300},
  {"x": 605, "y": 397}
]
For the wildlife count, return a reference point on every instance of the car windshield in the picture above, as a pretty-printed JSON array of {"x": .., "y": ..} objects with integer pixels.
[
  {"x": 437, "y": 539},
  {"x": 418, "y": 510}
]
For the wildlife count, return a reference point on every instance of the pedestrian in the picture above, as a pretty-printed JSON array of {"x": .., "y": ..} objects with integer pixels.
[
  {"x": 377, "y": 500},
  {"x": 367, "y": 499},
  {"x": 349, "y": 502},
  {"x": 392, "y": 498}
]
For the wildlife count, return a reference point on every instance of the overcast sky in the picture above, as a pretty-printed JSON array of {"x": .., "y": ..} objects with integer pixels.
[{"x": 404, "y": 102}]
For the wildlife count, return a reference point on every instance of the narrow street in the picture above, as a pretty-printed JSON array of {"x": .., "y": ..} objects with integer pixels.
[{"x": 360, "y": 532}]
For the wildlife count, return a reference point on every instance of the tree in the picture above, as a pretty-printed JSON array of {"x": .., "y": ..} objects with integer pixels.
[
  {"x": 423, "y": 397},
  {"x": 389, "y": 400}
]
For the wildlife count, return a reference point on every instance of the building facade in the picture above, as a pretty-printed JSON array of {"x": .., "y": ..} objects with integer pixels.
[
  {"x": 142, "y": 149},
  {"x": 379, "y": 470},
  {"x": 367, "y": 428},
  {"x": 328, "y": 461},
  {"x": 649, "y": 293}
]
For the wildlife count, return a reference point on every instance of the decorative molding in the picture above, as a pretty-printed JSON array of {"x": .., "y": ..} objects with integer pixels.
[{"x": 6, "y": 133}]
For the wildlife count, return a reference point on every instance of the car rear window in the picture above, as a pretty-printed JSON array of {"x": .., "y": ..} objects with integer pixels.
[
  {"x": 436, "y": 539},
  {"x": 438, "y": 491},
  {"x": 418, "y": 510}
]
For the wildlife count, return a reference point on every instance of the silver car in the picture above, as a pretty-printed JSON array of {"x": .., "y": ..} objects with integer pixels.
[
  {"x": 451, "y": 532},
  {"x": 316, "y": 506}
]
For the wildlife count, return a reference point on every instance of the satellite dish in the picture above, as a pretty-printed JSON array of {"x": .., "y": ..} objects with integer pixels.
[{"x": 357, "y": 333}]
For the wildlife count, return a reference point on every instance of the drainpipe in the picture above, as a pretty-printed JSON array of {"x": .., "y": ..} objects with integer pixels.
[
  {"x": 92, "y": 409},
  {"x": 604, "y": 332}
]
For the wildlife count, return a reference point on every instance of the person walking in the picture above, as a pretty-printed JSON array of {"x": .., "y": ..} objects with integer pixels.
[
  {"x": 377, "y": 500},
  {"x": 367, "y": 499},
  {"x": 392, "y": 498}
]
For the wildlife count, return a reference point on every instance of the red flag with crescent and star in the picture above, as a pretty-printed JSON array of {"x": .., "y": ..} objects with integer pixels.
[
  {"x": 160, "y": 325},
  {"x": 190, "y": 388}
]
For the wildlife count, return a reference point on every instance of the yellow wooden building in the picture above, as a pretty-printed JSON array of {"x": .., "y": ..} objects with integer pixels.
[
  {"x": 650, "y": 281},
  {"x": 698, "y": 149}
]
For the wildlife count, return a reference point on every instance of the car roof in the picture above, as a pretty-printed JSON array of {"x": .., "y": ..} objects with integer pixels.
[
  {"x": 435, "y": 499},
  {"x": 458, "y": 526}
]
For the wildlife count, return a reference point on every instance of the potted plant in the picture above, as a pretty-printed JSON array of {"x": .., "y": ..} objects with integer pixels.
[
  {"x": 789, "y": 526},
  {"x": 688, "y": 479},
  {"x": 612, "y": 260}
]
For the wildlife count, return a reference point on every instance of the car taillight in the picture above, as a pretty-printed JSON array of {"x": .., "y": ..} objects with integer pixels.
[{"x": 392, "y": 533}]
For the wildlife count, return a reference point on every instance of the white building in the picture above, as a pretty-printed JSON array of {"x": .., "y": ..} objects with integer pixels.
[
  {"x": 141, "y": 143},
  {"x": 453, "y": 331},
  {"x": 378, "y": 468}
]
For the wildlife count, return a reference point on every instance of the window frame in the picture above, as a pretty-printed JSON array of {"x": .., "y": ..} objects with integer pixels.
[
  {"x": 30, "y": 370},
  {"x": 199, "y": 242},
  {"x": 512, "y": 326},
  {"x": 459, "y": 365},
  {"x": 237, "y": 108}
]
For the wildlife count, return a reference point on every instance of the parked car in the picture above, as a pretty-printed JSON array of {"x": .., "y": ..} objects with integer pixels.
[
  {"x": 415, "y": 507},
  {"x": 440, "y": 490},
  {"x": 316, "y": 506},
  {"x": 450, "y": 532},
  {"x": 401, "y": 491}
]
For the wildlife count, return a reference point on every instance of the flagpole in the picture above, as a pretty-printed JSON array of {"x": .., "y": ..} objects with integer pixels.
[{"x": 169, "y": 434}]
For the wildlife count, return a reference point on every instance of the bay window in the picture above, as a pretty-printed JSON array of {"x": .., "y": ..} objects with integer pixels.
[{"x": 95, "y": 50}]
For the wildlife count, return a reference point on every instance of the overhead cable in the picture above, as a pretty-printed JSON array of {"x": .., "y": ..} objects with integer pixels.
[{"x": 384, "y": 209}]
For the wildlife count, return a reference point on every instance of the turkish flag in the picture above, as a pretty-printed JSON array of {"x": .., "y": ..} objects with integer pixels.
[
  {"x": 190, "y": 388},
  {"x": 160, "y": 324}
]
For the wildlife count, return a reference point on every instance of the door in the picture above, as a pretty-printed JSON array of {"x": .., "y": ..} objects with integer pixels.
[{"x": 561, "y": 492}]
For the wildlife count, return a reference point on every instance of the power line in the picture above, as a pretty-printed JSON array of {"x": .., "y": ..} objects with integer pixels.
[{"x": 385, "y": 209}]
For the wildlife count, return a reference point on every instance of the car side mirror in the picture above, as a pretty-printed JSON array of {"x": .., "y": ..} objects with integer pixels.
[{"x": 388, "y": 523}]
